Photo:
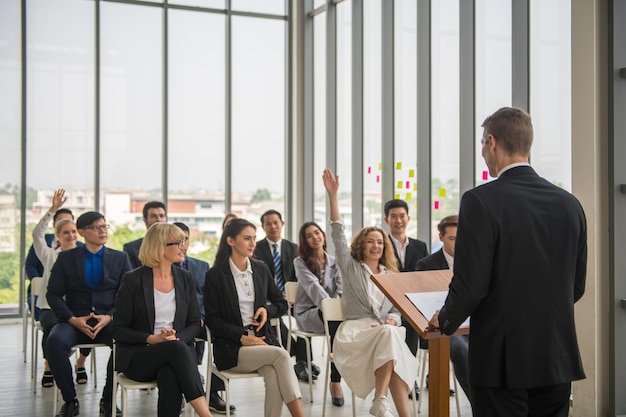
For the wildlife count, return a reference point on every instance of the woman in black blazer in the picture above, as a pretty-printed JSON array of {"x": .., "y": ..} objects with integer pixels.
[
  {"x": 240, "y": 297},
  {"x": 156, "y": 320}
]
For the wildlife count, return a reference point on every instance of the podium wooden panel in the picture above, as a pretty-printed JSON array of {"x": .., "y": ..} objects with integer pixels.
[{"x": 395, "y": 286}]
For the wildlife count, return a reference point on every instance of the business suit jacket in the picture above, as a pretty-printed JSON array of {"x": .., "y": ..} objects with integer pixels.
[
  {"x": 520, "y": 263},
  {"x": 223, "y": 317},
  {"x": 68, "y": 293},
  {"x": 134, "y": 312},
  {"x": 288, "y": 249},
  {"x": 132, "y": 249},
  {"x": 434, "y": 262},
  {"x": 415, "y": 250},
  {"x": 198, "y": 271}
]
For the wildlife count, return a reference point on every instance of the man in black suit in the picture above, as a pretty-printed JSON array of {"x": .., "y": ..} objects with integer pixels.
[
  {"x": 278, "y": 254},
  {"x": 81, "y": 291},
  {"x": 153, "y": 212},
  {"x": 520, "y": 265},
  {"x": 444, "y": 259}
]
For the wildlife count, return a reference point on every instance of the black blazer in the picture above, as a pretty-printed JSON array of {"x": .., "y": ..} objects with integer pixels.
[
  {"x": 434, "y": 262},
  {"x": 69, "y": 295},
  {"x": 223, "y": 316},
  {"x": 288, "y": 249},
  {"x": 519, "y": 266},
  {"x": 133, "y": 321},
  {"x": 132, "y": 249},
  {"x": 415, "y": 250}
]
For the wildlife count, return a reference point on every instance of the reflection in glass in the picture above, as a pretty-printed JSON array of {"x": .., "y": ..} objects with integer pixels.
[
  {"x": 550, "y": 90},
  {"x": 405, "y": 107},
  {"x": 319, "y": 116},
  {"x": 445, "y": 111},
  {"x": 196, "y": 168},
  {"x": 372, "y": 113},
  {"x": 493, "y": 68},
  {"x": 258, "y": 116},
  {"x": 344, "y": 111}
]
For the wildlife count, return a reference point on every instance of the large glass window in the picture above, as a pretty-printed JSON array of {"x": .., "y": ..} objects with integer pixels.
[
  {"x": 319, "y": 115},
  {"x": 550, "y": 90},
  {"x": 265, "y": 6},
  {"x": 258, "y": 116}
]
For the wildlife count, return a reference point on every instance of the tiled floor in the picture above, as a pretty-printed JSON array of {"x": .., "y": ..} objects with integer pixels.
[{"x": 17, "y": 397}]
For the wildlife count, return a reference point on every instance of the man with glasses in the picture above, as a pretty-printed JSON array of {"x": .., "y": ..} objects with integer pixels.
[
  {"x": 153, "y": 212},
  {"x": 81, "y": 291}
]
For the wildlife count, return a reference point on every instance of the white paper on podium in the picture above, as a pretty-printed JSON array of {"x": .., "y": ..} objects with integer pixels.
[{"x": 429, "y": 302}]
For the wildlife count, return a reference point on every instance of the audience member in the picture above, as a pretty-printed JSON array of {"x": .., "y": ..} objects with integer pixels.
[
  {"x": 278, "y": 254},
  {"x": 319, "y": 277},
  {"x": 81, "y": 291},
  {"x": 240, "y": 297},
  {"x": 198, "y": 270},
  {"x": 227, "y": 219},
  {"x": 153, "y": 212},
  {"x": 369, "y": 348},
  {"x": 156, "y": 322}
]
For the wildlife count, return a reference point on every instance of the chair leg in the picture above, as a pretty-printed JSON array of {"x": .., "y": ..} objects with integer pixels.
[
  {"x": 227, "y": 389},
  {"x": 307, "y": 343},
  {"x": 94, "y": 368},
  {"x": 456, "y": 390},
  {"x": 422, "y": 370},
  {"x": 353, "y": 404},
  {"x": 326, "y": 378}
]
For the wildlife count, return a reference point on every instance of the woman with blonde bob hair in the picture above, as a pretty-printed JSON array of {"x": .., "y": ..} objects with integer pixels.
[
  {"x": 156, "y": 321},
  {"x": 369, "y": 348}
]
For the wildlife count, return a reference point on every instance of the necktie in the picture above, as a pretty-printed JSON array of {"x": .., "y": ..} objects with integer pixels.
[{"x": 278, "y": 269}]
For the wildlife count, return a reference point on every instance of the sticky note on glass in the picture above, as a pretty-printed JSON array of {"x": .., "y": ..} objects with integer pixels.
[
  {"x": 408, "y": 185},
  {"x": 442, "y": 192},
  {"x": 436, "y": 203},
  {"x": 398, "y": 165},
  {"x": 377, "y": 178},
  {"x": 411, "y": 173},
  {"x": 369, "y": 170},
  {"x": 399, "y": 184},
  {"x": 396, "y": 196},
  {"x": 415, "y": 187},
  {"x": 408, "y": 196},
  {"x": 485, "y": 175},
  {"x": 380, "y": 166}
]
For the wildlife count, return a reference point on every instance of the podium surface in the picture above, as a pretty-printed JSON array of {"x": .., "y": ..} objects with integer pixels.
[{"x": 395, "y": 286}]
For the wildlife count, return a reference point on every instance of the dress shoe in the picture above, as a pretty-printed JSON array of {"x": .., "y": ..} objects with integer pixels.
[
  {"x": 218, "y": 405},
  {"x": 337, "y": 401},
  {"x": 105, "y": 409},
  {"x": 69, "y": 409},
  {"x": 302, "y": 372},
  {"x": 315, "y": 369},
  {"x": 417, "y": 392}
]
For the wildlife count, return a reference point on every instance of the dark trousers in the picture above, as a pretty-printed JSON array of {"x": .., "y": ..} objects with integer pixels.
[
  {"x": 63, "y": 337},
  {"x": 173, "y": 365},
  {"x": 548, "y": 401},
  {"x": 459, "y": 356},
  {"x": 48, "y": 319},
  {"x": 335, "y": 376},
  {"x": 298, "y": 346}
]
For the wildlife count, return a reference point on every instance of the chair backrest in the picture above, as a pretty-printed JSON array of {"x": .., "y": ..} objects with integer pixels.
[
  {"x": 291, "y": 290},
  {"x": 332, "y": 310},
  {"x": 35, "y": 291}
]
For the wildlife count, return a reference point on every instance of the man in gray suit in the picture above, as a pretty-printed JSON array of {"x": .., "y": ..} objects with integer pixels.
[{"x": 520, "y": 265}]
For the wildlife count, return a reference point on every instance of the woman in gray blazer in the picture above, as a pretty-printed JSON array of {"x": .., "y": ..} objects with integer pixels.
[{"x": 319, "y": 277}]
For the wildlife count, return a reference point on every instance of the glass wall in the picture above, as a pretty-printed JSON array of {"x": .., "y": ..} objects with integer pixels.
[{"x": 319, "y": 115}]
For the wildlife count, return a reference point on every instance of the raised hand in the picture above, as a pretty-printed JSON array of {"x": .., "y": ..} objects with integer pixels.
[
  {"x": 58, "y": 199},
  {"x": 331, "y": 183}
]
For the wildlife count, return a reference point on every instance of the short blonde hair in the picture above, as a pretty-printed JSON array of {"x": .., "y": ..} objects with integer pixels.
[
  {"x": 154, "y": 243},
  {"x": 59, "y": 225}
]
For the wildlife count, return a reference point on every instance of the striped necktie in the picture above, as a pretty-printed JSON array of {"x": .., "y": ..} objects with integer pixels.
[{"x": 278, "y": 269}]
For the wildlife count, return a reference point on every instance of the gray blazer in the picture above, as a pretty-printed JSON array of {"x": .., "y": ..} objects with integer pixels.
[
  {"x": 311, "y": 293},
  {"x": 356, "y": 299}
]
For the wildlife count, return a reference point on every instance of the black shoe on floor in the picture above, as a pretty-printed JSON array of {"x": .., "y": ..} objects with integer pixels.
[
  {"x": 105, "y": 409},
  {"x": 69, "y": 409},
  {"x": 417, "y": 391},
  {"x": 302, "y": 372},
  {"x": 218, "y": 405},
  {"x": 315, "y": 369},
  {"x": 452, "y": 392}
]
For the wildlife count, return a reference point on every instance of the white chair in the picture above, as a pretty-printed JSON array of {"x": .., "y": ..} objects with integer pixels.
[
  {"x": 422, "y": 357},
  {"x": 225, "y": 376},
  {"x": 126, "y": 384},
  {"x": 25, "y": 319},
  {"x": 291, "y": 290}
]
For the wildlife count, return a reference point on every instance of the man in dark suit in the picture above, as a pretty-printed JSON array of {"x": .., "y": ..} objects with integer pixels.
[
  {"x": 278, "y": 254},
  {"x": 81, "y": 291},
  {"x": 198, "y": 271},
  {"x": 520, "y": 265},
  {"x": 153, "y": 212},
  {"x": 444, "y": 259}
]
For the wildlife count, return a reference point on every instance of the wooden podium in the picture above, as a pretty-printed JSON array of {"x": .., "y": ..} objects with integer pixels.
[{"x": 395, "y": 286}]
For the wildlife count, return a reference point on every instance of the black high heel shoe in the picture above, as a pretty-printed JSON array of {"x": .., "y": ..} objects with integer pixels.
[{"x": 337, "y": 401}]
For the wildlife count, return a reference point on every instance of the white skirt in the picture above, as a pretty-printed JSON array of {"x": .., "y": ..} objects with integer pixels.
[{"x": 359, "y": 349}]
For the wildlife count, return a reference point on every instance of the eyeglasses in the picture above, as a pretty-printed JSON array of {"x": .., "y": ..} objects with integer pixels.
[
  {"x": 180, "y": 244},
  {"x": 97, "y": 227}
]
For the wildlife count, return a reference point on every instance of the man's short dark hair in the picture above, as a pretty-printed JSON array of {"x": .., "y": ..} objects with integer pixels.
[
  {"x": 447, "y": 221},
  {"x": 87, "y": 219},
  {"x": 153, "y": 204},
  {"x": 513, "y": 129},
  {"x": 269, "y": 213},
  {"x": 181, "y": 226},
  {"x": 62, "y": 211},
  {"x": 395, "y": 203}
]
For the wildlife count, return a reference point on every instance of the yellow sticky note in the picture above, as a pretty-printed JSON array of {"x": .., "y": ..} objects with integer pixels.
[
  {"x": 442, "y": 192},
  {"x": 408, "y": 196},
  {"x": 398, "y": 165},
  {"x": 411, "y": 173},
  {"x": 380, "y": 166},
  {"x": 415, "y": 187},
  {"x": 399, "y": 184},
  {"x": 396, "y": 196}
]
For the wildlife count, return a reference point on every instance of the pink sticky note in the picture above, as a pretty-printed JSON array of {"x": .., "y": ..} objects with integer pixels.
[
  {"x": 369, "y": 170},
  {"x": 408, "y": 184},
  {"x": 436, "y": 205},
  {"x": 377, "y": 178},
  {"x": 485, "y": 175}
]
